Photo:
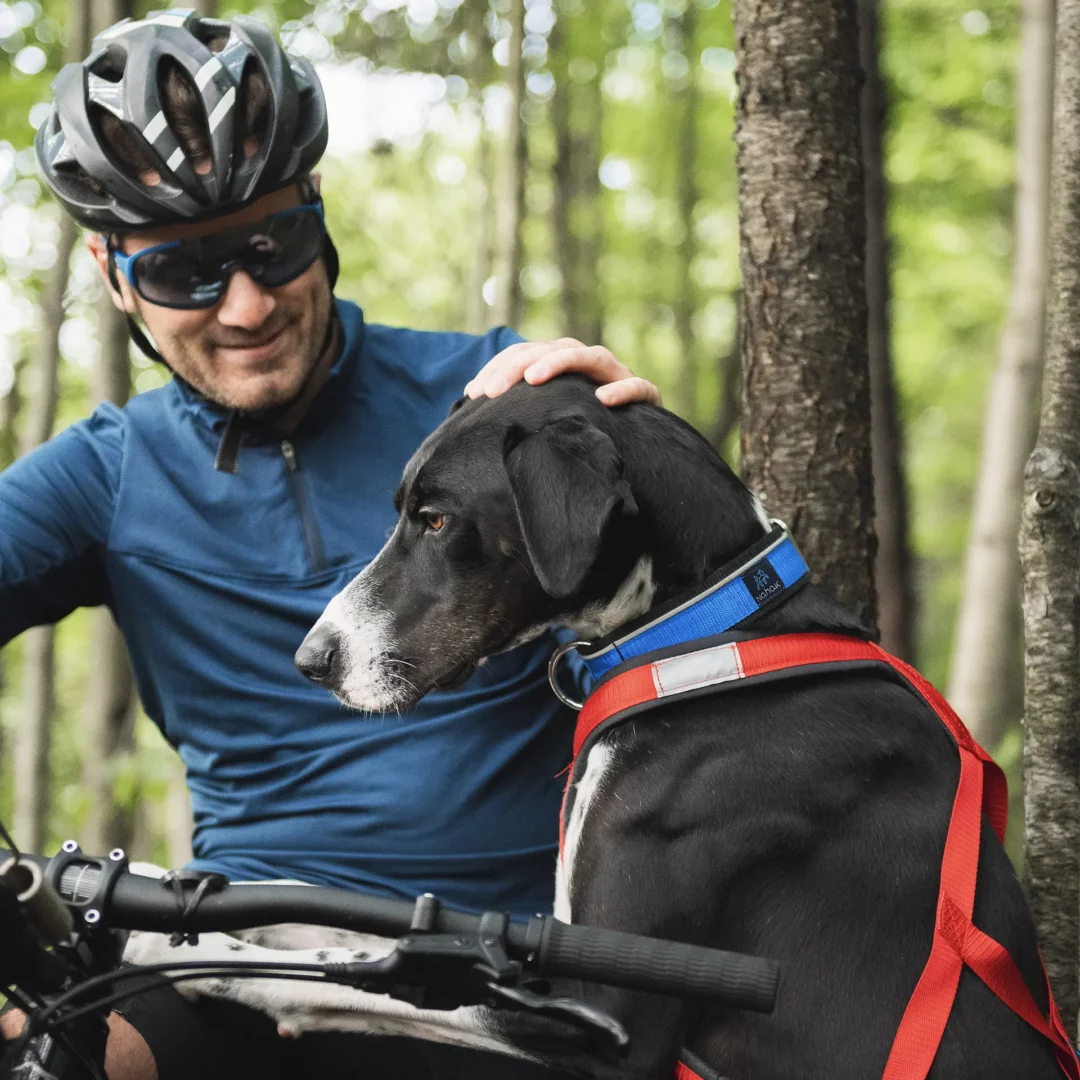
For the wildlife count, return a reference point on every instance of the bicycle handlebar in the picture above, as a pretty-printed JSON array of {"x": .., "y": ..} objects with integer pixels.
[{"x": 543, "y": 945}]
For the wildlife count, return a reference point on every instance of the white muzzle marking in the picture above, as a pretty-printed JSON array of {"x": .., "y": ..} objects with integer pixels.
[{"x": 363, "y": 630}]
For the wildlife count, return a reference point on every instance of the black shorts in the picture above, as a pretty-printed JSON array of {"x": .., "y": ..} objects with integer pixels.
[{"x": 220, "y": 1040}]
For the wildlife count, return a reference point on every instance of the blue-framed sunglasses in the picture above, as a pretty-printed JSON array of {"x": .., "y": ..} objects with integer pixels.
[{"x": 195, "y": 273}]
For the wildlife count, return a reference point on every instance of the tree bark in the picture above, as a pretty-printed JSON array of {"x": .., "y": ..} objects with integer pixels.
[
  {"x": 477, "y": 311},
  {"x": 564, "y": 242},
  {"x": 178, "y": 821},
  {"x": 686, "y": 158},
  {"x": 1050, "y": 555},
  {"x": 986, "y": 678},
  {"x": 10, "y": 407},
  {"x": 894, "y": 586},
  {"x": 729, "y": 408},
  {"x": 32, "y": 736},
  {"x": 517, "y": 166},
  {"x": 806, "y": 415},
  {"x": 110, "y": 711},
  {"x": 577, "y": 123}
]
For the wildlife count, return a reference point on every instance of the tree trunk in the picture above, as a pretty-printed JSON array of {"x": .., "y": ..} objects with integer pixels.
[
  {"x": 32, "y": 735},
  {"x": 729, "y": 408},
  {"x": 892, "y": 570},
  {"x": 109, "y": 727},
  {"x": 10, "y": 407},
  {"x": 806, "y": 415},
  {"x": 686, "y": 157},
  {"x": 208, "y": 9},
  {"x": 517, "y": 164},
  {"x": 178, "y": 818},
  {"x": 577, "y": 123},
  {"x": 564, "y": 242},
  {"x": 588, "y": 220},
  {"x": 32, "y": 738},
  {"x": 477, "y": 311},
  {"x": 1050, "y": 555},
  {"x": 984, "y": 685}
]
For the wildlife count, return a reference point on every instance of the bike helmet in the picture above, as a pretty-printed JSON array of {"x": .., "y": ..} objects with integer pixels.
[{"x": 119, "y": 156}]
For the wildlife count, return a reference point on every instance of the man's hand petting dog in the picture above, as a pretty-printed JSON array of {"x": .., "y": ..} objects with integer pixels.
[{"x": 538, "y": 362}]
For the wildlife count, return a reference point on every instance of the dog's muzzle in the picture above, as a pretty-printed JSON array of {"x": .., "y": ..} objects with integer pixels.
[{"x": 315, "y": 657}]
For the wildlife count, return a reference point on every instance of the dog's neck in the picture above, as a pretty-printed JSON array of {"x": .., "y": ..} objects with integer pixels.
[{"x": 695, "y": 516}]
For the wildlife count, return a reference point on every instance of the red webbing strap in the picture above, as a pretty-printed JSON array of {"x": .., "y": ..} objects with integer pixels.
[
  {"x": 684, "y": 1072},
  {"x": 957, "y": 941},
  {"x": 981, "y": 789}
]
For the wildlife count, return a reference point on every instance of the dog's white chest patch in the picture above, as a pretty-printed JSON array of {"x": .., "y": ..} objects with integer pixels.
[
  {"x": 633, "y": 598},
  {"x": 585, "y": 793}
]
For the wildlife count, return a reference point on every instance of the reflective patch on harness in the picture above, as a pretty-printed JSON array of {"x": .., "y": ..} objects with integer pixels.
[{"x": 705, "y": 668}]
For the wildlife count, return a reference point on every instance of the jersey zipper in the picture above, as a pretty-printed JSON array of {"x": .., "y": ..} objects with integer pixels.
[{"x": 312, "y": 537}]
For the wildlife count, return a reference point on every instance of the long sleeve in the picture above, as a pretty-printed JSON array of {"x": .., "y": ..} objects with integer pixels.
[{"x": 55, "y": 513}]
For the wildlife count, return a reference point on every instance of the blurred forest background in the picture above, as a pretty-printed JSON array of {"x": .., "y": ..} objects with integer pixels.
[{"x": 591, "y": 189}]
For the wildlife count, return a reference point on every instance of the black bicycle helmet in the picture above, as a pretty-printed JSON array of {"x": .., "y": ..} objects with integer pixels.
[{"x": 118, "y": 94}]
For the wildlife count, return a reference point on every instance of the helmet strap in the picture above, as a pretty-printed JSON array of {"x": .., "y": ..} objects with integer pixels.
[{"x": 135, "y": 332}]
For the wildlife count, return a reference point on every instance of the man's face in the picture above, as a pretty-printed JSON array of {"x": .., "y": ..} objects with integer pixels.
[{"x": 256, "y": 346}]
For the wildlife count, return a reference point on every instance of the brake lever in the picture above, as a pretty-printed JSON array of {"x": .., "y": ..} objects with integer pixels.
[{"x": 612, "y": 1037}]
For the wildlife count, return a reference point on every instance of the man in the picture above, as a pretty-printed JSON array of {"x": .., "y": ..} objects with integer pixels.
[{"x": 217, "y": 516}]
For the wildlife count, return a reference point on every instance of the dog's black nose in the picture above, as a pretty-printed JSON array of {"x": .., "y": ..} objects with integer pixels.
[{"x": 315, "y": 657}]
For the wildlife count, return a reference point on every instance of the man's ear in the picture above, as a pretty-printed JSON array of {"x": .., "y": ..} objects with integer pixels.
[
  {"x": 568, "y": 485},
  {"x": 98, "y": 248}
]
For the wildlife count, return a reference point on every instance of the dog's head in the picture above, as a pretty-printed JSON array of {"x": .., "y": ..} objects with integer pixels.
[{"x": 514, "y": 514}]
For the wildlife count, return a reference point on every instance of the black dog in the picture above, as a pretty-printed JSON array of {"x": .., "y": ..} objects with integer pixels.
[{"x": 803, "y": 820}]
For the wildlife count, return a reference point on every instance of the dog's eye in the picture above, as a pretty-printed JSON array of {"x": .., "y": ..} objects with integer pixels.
[{"x": 433, "y": 520}]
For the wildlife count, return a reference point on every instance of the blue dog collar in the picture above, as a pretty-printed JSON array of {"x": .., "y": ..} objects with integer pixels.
[{"x": 760, "y": 578}]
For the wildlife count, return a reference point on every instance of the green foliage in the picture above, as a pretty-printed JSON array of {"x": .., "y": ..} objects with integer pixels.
[
  {"x": 950, "y": 168},
  {"x": 405, "y": 214}
]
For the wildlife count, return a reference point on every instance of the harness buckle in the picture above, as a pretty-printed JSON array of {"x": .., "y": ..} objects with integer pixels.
[{"x": 553, "y": 668}]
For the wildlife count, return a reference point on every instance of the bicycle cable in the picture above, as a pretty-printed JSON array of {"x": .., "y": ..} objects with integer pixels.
[{"x": 200, "y": 969}]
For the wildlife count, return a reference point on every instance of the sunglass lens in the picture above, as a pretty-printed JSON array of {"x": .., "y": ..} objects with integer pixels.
[
  {"x": 286, "y": 248},
  {"x": 177, "y": 277}
]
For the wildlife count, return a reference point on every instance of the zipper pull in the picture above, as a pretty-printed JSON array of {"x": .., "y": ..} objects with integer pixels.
[{"x": 288, "y": 452}]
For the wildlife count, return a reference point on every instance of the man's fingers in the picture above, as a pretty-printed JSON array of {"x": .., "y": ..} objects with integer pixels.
[
  {"x": 507, "y": 368},
  {"x": 538, "y": 361},
  {"x": 629, "y": 390},
  {"x": 595, "y": 361}
]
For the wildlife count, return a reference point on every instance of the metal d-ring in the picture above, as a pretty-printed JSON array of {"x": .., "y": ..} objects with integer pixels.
[
  {"x": 553, "y": 668},
  {"x": 783, "y": 525}
]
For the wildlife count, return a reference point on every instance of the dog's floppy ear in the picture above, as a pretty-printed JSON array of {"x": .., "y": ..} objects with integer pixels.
[{"x": 567, "y": 483}]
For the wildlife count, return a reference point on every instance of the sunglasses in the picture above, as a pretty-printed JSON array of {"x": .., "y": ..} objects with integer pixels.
[{"x": 190, "y": 274}]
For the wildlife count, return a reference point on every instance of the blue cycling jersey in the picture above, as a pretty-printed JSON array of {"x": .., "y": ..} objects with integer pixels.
[{"x": 215, "y": 578}]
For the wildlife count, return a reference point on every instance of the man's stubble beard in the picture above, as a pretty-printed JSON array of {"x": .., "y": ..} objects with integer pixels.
[{"x": 183, "y": 363}]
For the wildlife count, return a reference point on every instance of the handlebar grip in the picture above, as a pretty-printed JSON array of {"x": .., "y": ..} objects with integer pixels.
[{"x": 658, "y": 967}]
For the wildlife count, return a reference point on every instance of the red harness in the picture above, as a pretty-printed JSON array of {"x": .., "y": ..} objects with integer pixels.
[{"x": 982, "y": 789}]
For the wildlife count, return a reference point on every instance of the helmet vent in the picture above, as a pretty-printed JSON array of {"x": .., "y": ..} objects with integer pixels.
[
  {"x": 110, "y": 66},
  {"x": 213, "y": 34},
  {"x": 124, "y": 147},
  {"x": 254, "y": 119},
  {"x": 183, "y": 107}
]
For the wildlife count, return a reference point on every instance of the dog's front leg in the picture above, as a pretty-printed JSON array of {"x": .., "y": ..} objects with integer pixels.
[{"x": 320, "y": 1006}]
